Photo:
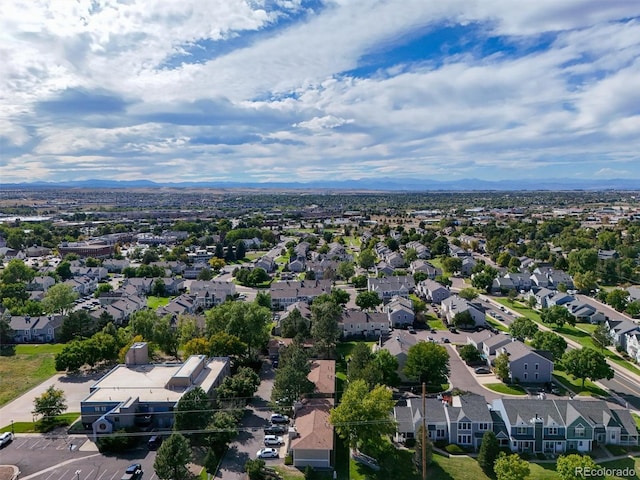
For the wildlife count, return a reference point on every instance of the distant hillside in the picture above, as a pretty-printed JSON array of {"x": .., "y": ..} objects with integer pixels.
[{"x": 376, "y": 184}]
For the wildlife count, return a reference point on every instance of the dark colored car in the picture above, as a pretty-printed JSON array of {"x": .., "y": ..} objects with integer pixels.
[
  {"x": 154, "y": 442},
  {"x": 482, "y": 370},
  {"x": 133, "y": 472},
  {"x": 275, "y": 430},
  {"x": 277, "y": 418}
]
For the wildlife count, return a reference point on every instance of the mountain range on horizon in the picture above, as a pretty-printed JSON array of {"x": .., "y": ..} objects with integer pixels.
[{"x": 374, "y": 184}]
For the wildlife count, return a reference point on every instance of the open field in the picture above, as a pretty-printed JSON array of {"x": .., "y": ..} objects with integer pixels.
[{"x": 31, "y": 365}]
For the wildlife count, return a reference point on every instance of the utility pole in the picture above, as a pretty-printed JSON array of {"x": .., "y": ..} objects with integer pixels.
[{"x": 424, "y": 431}]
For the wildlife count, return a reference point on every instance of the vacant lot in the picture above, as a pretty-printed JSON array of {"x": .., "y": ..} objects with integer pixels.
[{"x": 31, "y": 365}]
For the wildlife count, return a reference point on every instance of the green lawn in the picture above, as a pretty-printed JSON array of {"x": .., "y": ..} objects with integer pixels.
[
  {"x": 435, "y": 323},
  {"x": 29, "y": 366},
  {"x": 155, "y": 302},
  {"x": 496, "y": 324},
  {"x": 575, "y": 385},
  {"x": 31, "y": 427},
  {"x": 506, "y": 389},
  {"x": 637, "y": 420}
]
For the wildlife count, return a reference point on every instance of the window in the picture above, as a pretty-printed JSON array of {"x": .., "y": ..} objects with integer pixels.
[
  {"x": 521, "y": 430},
  {"x": 536, "y": 375},
  {"x": 483, "y": 426},
  {"x": 579, "y": 432},
  {"x": 552, "y": 431},
  {"x": 464, "y": 426},
  {"x": 440, "y": 433},
  {"x": 526, "y": 375},
  {"x": 464, "y": 439},
  {"x": 537, "y": 366},
  {"x": 526, "y": 365}
]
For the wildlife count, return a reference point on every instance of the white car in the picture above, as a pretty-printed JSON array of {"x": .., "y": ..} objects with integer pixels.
[
  {"x": 273, "y": 440},
  {"x": 267, "y": 453},
  {"x": 6, "y": 438}
]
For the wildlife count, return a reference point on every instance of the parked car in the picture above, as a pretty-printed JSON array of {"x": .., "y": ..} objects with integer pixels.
[
  {"x": 6, "y": 438},
  {"x": 482, "y": 370},
  {"x": 154, "y": 442},
  {"x": 433, "y": 330},
  {"x": 267, "y": 452},
  {"x": 275, "y": 430},
  {"x": 133, "y": 472},
  {"x": 453, "y": 330},
  {"x": 270, "y": 440},
  {"x": 275, "y": 364},
  {"x": 446, "y": 340},
  {"x": 277, "y": 418},
  {"x": 412, "y": 330}
]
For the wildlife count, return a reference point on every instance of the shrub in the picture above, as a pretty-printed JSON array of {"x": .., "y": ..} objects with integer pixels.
[
  {"x": 525, "y": 456},
  {"x": 454, "y": 449},
  {"x": 288, "y": 460},
  {"x": 541, "y": 456},
  {"x": 440, "y": 443},
  {"x": 410, "y": 442},
  {"x": 118, "y": 442}
]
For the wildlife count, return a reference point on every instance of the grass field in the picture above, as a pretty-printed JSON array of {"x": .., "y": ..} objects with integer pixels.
[
  {"x": 31, "y": 427},
  {"x": 496, "y": 324},
  {"x": 155, "y": 302},
  {"x": 30, "y": 366},
  {"x": 575, "y": 385},
  {"x": 506, "y": 389}
]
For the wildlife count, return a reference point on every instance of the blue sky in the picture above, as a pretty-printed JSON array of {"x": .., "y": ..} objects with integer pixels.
[{"x": 295, "y": 90}]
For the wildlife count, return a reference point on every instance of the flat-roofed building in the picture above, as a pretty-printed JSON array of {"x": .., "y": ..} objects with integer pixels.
[{"x": 139, "y": 392}]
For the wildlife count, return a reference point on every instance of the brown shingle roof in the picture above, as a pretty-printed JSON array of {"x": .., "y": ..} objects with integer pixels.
[
  {"x": 312, "y": 424},
  {"x": 323, "y": 375}
]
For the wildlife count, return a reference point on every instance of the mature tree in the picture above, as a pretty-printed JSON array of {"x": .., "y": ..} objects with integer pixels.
[
  {"x": 463, "y": 319},
  {"x": 410, "y": 255},
  {"x": 78, "y": 324},
  {"x": 263, "y": 299},
  {"x": 581, "y": 261},
  {"x": 363, "y": 414},
  {"x": 451, "y": 264},
  {"x": 325, "y": 329},
  {"x": 440, "y": 246},
  {"x": 554, "y": 343},
  {"x": 50, "y": 404},
  {"x": 483, "y": 281},
  {"x": 346, "y": 270},
  {"x": 557, "y": 314},
  {"x": 523, "y": 328},
  {"x": 575, "y": 466},
  {"x": 223, "y": 344},
  {"x": 216, "y": 264},
  {"x": 468, "y": 293},
  {"x": 602, "y": 336},
  {"x": 618, "y": 299},
  {"x": 6, "y": 332},
  {"x": 237, "y": 390},
  {"x": 188, "y": 328},
  {"x": 255, "y": 469},
  {"x": 489, "y": 450},
  {"x": 360, "y": 359},
  {"x": 205, "y": 274},
  {"x": 193, "y": 411},
  {"x": 241, "y": 250},
  {"x": 585, "y": 282},
  {"x": 470, "y": 354},
  {"x": 368, "y": 300},
  {"x": 386, "y": 365},
  {"x": 72, "y": 356},
  {"x": 340, "y": 296},
  {"x": 16, "y": 271},
  {"x": 420, "y": 276},
  {"x": 427, "y": 362},
  {"x": 501, "y": 366},
  {"x": 359, "y": 281},
  {"x": 511, "y": 467},
  {"x": 367, "y": 258},
  {"x": 59, "y": 299},
  {"x": 633, "y": 308},
  {"x": 166, "y": 337},
  {"x": 586, "y": 363},
  {"x": 143, "y": 323},
  {"x": 63, "y": 270},
  {"x": 247, "y": 321},
  {"x": 221, "y": 430},
  {"x": 293, "y": 325},
  {"x": 291, "y": 381},
  {"x": 172, "y": 458},
  {"x": 196, "y": 346}
]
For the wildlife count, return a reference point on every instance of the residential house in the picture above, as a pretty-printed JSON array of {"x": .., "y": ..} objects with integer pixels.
[
  {"x": 304, "y": 310},
  {"x": 367, "y": 324},
  {"x": 560, "y": 298},
  {"x": 297, "y": 265},
  {"x": 390, "y": 287},
  {"x": 211, "y": 293},
  {"x": 115, "y": 266},
  {"x": 181, "y": 305},
  {"x": 400, "y": 312},
  {"x": 632, "y": 341},
  {"x": 459, "y": 252},
  {"x": 424, "y": 267},
  {"x": 585, "y": 313},
  {"x": 492, "y": 344},
  {"x": 266, "y": 263},
  {"x": 541, "y": 295},
  {"x": 521, "y": 281},
  {"x": 41, "y": 283},
  {"x": 384, "y": 269},
  {"x": 142, "y": 285},
  {"x": 527, "y": 365},
  {"x": 468, "y": 264},
  {"x": 453, "y": 305},
  {"x": 422, "y": 252},
  {"x": 395, "y": 260},
  {"x": 618, "y": 329},
  {"x": 502, "y": 284},
  {"x": 322, "y": 268},
  {"x": 432, "y": 291},
  {"x": 634, "y": 293},
  {"x": 468, "y": 418},
  {"x": 40, "y": 329},
  {"x": 409, "y": 419},
  {"x": 608, "y": 255},
  {"x": 289, "y": 292},
  {"x": 82, "y": 285}
]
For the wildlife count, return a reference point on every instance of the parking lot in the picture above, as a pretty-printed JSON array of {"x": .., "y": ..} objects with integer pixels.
[{"x": 70, "y": 458}]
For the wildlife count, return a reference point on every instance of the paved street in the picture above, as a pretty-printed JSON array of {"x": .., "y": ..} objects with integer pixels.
[{"x": 251, "y": 436}]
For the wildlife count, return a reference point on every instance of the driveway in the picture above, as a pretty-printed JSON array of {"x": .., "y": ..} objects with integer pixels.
[
  {"x": 75, "y": 388},
  {"x": 251, "y": 436},
  {"x": 461, "y": 377}
]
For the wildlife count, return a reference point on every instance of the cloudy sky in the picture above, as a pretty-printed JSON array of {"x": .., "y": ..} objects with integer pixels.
[{"x": 297, "y": 90}]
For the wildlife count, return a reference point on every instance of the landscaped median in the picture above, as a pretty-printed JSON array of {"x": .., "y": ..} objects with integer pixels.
[
  {"x": 505, "y": 389},
  {"x": 37, "y": 427}
]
